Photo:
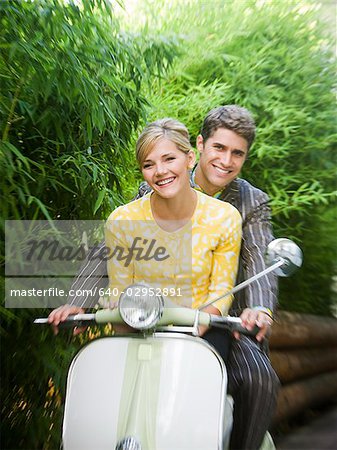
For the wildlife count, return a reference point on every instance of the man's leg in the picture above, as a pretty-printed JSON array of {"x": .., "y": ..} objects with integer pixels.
[
  {"x": 221, "y": 341},
  {"x": 254, "y": 385}
]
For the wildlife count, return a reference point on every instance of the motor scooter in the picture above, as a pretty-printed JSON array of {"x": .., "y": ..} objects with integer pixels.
[{"x": 159, "y": 388}]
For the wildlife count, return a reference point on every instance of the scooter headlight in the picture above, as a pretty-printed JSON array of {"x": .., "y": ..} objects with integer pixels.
[{"x": 140, "y": 306}]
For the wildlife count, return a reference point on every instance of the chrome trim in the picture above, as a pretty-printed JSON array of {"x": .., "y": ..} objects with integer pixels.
[
  {"x": 157, "y": 309},
  {"x": 196, "y": 323},
  {"x": 128, "y": 443}
]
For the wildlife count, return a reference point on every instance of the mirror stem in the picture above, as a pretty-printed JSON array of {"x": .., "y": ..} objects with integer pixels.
[{"x": 279, "y": 262}]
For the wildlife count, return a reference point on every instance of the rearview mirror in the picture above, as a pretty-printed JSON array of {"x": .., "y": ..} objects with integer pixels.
[{"x": 287, "y": 250}]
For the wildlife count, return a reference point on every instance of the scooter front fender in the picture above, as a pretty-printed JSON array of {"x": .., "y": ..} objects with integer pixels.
[{"x": 167, "y": 391}]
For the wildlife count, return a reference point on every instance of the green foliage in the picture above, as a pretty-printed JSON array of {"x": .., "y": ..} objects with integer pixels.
[
  {"x": 71, "y": 96},
  {"x": 75, "y": 88},
  {"x": 310, "y": 290},
  {"x": 275, "y": 59},
  {"x": 33, "y": 382}
]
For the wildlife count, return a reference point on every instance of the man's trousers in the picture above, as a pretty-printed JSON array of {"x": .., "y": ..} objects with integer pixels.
[{"x": 254, "y": 386}]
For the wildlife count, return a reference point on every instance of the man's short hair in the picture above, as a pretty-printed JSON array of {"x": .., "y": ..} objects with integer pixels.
[{"x": 232, "y": 117}]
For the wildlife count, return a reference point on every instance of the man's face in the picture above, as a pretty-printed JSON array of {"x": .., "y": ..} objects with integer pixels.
[{"x": 221, "y": 159}]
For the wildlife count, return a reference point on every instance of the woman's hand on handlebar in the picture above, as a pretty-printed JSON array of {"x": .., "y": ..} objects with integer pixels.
[
  {"x": 60, "y": 314},
  {"x": 209, "y": 310},
  {"x": 250, "y": 318}
]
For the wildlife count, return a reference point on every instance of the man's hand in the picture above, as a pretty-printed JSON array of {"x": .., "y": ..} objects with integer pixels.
[
  {"x": 60, "y": 315},
  {"x": 252, "y": 317}
]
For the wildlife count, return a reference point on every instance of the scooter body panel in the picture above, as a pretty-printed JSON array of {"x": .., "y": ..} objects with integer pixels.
[{"x": 167, "y": 391}]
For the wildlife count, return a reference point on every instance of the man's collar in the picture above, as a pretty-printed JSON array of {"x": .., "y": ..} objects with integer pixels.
[
  {"x": 229, "y": 193},
  {"x": 197, "y": 187}
]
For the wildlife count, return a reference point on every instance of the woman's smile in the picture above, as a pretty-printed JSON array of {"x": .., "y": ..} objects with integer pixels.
[{"x": 165, "y": 181}]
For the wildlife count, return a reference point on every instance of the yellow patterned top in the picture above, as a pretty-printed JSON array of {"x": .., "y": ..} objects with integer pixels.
[{"x": 190, "y": 266}]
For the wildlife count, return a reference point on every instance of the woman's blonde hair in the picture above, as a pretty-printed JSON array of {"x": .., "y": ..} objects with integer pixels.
[{"x": 167, "y": 128}]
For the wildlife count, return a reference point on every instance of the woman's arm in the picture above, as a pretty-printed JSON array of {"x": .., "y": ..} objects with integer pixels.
[
  {"x": 225, "y": 262},
  {"x": 120, "y": 269}
]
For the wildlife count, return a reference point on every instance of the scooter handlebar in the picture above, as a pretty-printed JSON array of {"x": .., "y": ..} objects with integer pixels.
[
  {"x": 171, "y": 316},
  {"x": 77, "y": 320}
]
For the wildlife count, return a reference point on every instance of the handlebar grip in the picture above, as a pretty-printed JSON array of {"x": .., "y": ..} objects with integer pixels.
[
  {"x": 243, "y": 330},
  {"x": 77, "y": 320},
  {"x": 233, "y": 324},
  {"x": 74, "y": 323}
]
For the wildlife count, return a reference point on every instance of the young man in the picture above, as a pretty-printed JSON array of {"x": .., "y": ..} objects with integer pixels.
[{"x": 226, "y": 136}]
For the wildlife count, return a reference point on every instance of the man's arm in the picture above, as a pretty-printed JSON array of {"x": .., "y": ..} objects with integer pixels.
[
  {"x": 260, "y": 297},
  {"x": 257, "y": 234},
  {"x": 90, "y": 280},
  {"x": 85, "y": 290}
]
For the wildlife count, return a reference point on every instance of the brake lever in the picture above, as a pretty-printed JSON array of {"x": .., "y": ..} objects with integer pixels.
[{"x": 244, "y": 331}]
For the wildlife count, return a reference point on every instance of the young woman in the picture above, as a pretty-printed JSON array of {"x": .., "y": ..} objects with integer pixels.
[
  {"x": 194, "y": 239},
  {"x": 179, "y": 240}
]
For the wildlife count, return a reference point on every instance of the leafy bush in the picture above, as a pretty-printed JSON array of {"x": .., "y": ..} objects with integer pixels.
[
  {"x": 76, "y": 87},
  {"x": 275, "y": 59},
  {"x": 71, "y": 95}
]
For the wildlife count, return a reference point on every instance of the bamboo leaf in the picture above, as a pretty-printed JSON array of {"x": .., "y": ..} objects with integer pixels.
[{"x": 99, "y": 201}]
